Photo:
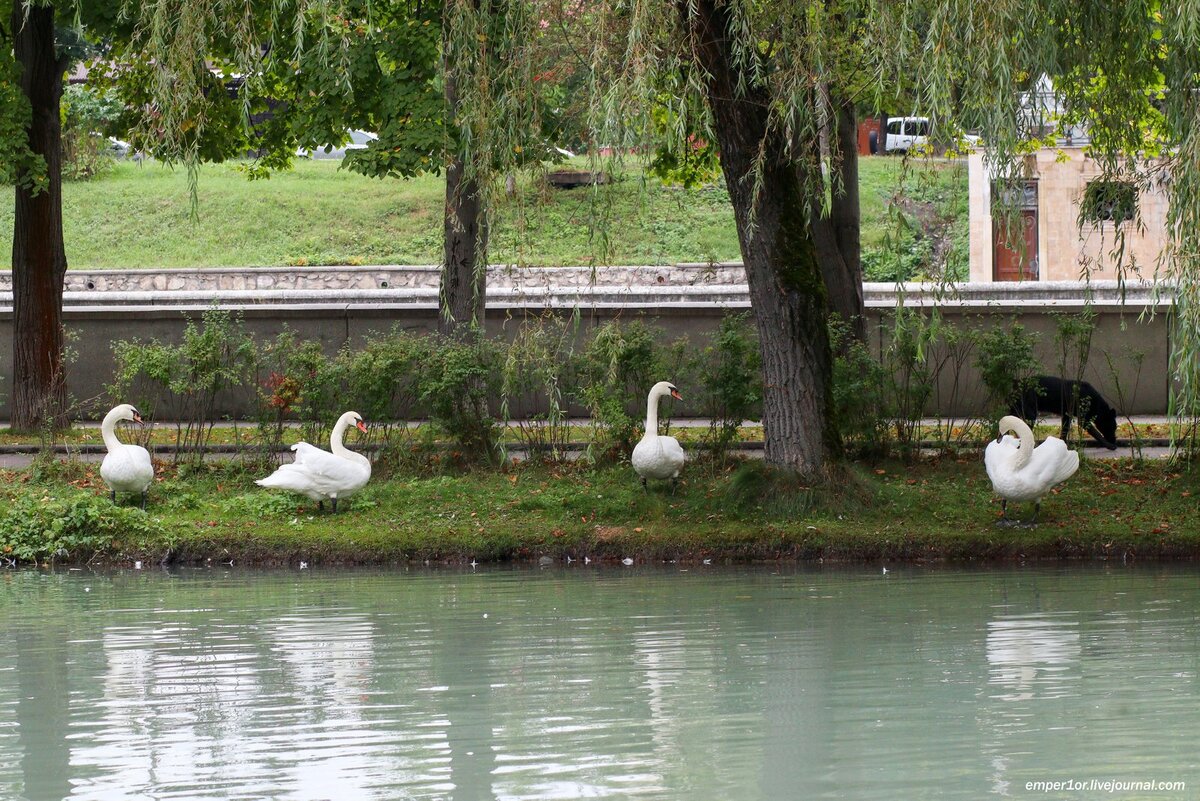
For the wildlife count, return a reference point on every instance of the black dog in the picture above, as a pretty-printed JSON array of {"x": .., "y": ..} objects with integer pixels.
[{"x": 1069, "y": 398}]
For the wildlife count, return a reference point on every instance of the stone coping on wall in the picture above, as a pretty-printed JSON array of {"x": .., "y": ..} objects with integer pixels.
[
  {"x": 552, "y": 287},
  {"x": 1022, "y": 294}
]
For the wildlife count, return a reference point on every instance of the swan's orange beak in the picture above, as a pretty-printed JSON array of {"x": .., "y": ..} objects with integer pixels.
[
  {"x": 361, "y": 426},
  {"x": 675, "y": 394},
  {"x": 137, "y": 418}
]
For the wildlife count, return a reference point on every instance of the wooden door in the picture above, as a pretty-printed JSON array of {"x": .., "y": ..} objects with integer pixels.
[{"x": 1015, "y": 258}]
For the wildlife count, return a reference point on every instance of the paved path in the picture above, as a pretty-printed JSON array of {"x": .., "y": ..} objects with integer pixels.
[{"x": 12, "y": 461}]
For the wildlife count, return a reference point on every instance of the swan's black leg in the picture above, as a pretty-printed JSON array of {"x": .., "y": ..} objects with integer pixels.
[
  {"x": 1037, "y": 507},
  {"x": 114, "y": 497},
  {"x": 320, "y": 506},
  {"x": 644, "y": 484},
  {"x": 1004, "y": 520},
  {"x": 143, "y": 500},
  {"x": 335, "y": 505}
]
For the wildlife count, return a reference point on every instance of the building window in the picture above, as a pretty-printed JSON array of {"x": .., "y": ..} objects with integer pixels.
[{"x": 1109, "y": 201}]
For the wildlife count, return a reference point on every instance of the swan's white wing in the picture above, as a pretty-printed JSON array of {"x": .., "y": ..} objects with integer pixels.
[
  {"x": 658, "y": 457},
  {"x": 295, "y": 478},
  {"x": 1052, "y": 463},
  {"x": 304, "y": 451},
  {"x": 997, "y": 459},
  {"x": 127, "y": 468},
  {"x": 319, "y": 474},
  {"x": 672, "y": 451}
]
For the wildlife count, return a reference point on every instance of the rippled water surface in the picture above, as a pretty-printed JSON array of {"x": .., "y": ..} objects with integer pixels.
[{"x": 664, "y": 684}]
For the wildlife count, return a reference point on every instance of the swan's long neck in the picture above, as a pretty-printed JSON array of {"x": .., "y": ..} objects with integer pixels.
[
  {"x": 652, "y": 414},
  {"x": 1026, "y": 451},
  {"x": 108, "y": 430},
  {"x": 1017, "y": 426},
  {"x": 335, "y": 439}
]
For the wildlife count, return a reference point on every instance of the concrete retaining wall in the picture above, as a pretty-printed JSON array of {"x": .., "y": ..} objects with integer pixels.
[{"x": 344, "y": 304}]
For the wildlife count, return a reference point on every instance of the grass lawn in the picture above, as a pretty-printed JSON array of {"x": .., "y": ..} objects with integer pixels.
[
  {"x": 940, "y": 509},
  {"x": 139, "y": 216}
]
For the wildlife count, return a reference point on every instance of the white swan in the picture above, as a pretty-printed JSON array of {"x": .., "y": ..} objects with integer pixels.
[
  {"x": 126, "y": 468},
  {"x": 1021, "y": 472},
  {"x": 655, "y": 456},
  {"x": 320, "y": 474}
]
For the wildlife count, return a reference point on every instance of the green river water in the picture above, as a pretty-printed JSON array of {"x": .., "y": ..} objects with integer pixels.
[{"x": 668, "y": 683}]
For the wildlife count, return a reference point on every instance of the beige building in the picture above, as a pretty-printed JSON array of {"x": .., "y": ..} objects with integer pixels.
[{"x": 1061, "y": 181}]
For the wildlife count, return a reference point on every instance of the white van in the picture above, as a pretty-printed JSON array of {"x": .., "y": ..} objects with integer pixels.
[{"x": 905, "y": 133}]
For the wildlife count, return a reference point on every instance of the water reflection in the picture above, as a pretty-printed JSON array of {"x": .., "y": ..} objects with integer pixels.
[
  {"x": 609, "y": 684},
  {"x": 1032, "y": 655}
]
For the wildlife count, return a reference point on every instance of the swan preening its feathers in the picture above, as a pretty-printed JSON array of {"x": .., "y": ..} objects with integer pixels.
[
  {"x": 126, "y": 468},
  {"x": 655, "y": 456},
  {"x": 1021, "y": 472},
  {"x": 325, "y": 475}
]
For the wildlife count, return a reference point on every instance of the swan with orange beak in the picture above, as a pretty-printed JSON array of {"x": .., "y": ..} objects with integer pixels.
[
  {"x": 126, "y": 468},
  {"x": 325, "y": 475},
  {"x": 658, "y": 456}
]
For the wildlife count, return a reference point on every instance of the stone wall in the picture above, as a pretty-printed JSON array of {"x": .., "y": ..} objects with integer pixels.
[
  {"x": 684, "y": 300},
  {"x": 402, "y": 277}
]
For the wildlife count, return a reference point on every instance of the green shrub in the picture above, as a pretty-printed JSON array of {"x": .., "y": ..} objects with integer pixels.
[
  {"x": 861, "y": 411},
  {"x": 383, "y": 384},
  {"x": 281, "y": 373},
  {"x": 950, "y": 353},
  {"x": 1004, "y": 357},
  {"x": 48, "y": 527},
  {"x": 620, "y": 365},
  {"x": 730, "y": 382},
  {"x": 538, "y": 367},
  {"x": 1073, "y": 335},
  {"x": 459, "y": 377},
  {"x": 184, "y": 381},
  {"x": 909, "y": 373},
  {"x": 321, "y": 388},
  {"x": 380, "y": 379}
]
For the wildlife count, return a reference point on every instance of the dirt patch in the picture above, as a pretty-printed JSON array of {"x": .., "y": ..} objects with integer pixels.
[{"x": 609, "y": 533}]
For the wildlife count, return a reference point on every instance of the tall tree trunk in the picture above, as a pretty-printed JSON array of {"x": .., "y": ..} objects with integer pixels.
[
  {"x": 39, "y": 260},
  {"x": 839, "y": 245},
  {"x": 787, "y": 287},
  {"x": 463, "y": 286},
  {"x": 464, "y": 278}
]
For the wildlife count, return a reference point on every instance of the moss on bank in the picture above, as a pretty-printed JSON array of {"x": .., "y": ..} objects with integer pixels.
[{"x": 888, "y": 511}]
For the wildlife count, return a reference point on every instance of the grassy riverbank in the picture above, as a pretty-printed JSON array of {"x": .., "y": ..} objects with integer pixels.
[
  {"x": 139, "y": 216},
  {"x": 887, "y": 511}
]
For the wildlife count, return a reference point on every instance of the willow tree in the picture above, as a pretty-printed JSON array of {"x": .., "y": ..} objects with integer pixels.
[
  {"x": 778, "y": 81},
  {"x": 775, "y": 76}
]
